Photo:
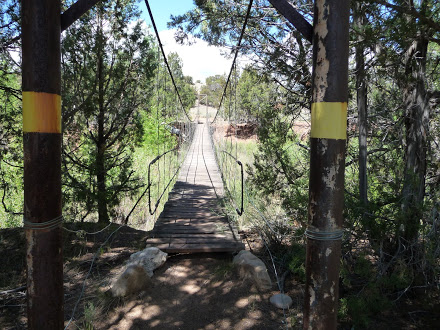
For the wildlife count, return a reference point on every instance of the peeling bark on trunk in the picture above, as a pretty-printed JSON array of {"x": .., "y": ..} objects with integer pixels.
[{"x": 327, "y": 162}]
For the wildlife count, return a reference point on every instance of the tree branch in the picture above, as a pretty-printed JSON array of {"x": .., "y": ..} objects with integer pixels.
[
  {"x": 75, "y": 11},
  {"x": 294, "y": 17},
  {"x": 410, "y": 11},
  {"x": 67, "y": 18}
]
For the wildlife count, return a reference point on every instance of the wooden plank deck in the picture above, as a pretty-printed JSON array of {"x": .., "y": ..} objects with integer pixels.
[{"x": 191, "y": 221}]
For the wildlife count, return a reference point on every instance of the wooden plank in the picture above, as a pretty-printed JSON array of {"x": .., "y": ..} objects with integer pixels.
[
  {"x": 175, "y": 205},
  {"x": 191, "y": 215},
  {"x": 189, "y": 231},
  {"x": 190, "y": 240},
  {"x": 198, "y": 248},
  {"x": 189, "y": 235},
  {"x": 193, "y": 220}
]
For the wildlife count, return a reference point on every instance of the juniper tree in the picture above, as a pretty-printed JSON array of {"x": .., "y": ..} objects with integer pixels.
[{"x": 107, "y": 63}]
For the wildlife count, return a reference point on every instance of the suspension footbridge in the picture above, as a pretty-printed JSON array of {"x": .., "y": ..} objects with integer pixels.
[{"x": 192, "y": 220}]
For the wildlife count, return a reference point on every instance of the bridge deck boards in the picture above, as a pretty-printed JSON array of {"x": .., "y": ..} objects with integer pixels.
[{"x": 192, "y": 221}]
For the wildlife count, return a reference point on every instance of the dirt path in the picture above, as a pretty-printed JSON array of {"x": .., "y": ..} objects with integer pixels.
[{"x": 197, "y": 292}]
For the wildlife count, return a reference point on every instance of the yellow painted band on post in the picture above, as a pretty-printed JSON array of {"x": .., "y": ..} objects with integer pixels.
[
  {"x": 41, "y": 112},
  {"x": 329, "y": 120}
]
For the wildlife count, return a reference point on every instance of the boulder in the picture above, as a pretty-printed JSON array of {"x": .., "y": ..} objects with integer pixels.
[
  {"x": 132, "y": 280},
  {"x": 149, "y": 258},
  {"x": 251, "y": 267},
  {"x": 281, "y": 301},
  {"x": 138, "y": 272}
]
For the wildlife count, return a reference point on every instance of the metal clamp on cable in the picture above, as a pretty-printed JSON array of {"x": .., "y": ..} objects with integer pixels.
[
  {"x": 47, "y": 225},
  {"x": 324, "y": 235}
]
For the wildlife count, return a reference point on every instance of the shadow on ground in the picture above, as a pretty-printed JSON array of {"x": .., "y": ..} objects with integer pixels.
[{"x": 198, "y": 292}]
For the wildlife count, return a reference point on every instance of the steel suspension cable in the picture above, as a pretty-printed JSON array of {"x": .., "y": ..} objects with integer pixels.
[
  {"x": 235, "y": 56},
  {"x": 165, "y": 57}
]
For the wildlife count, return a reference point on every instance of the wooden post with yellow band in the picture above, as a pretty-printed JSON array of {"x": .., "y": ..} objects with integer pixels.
[
  {"x": 41, "y": 77},
  {"x": 327, "y": 162}
]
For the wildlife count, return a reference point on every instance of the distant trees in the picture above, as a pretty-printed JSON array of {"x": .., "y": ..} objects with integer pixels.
[
  {"x": 254, "y": 93},
  {"x": 107, "y": 65},
  {"x": 167, "y": 99},
  {"x": 213, "y": 88}
]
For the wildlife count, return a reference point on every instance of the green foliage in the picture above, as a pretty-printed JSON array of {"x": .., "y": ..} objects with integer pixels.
[
  {"x": 165, "y": 100},
  {"x": 213, "y": 88},
  {"x": 297, "y": 259},
  {"x": 368, "y": 292},
  {"x": 279, "y": 168},
  {"x": 224, "y": 270},
  {"x": 11, "y": 143},
  {"x": 90, "y": 314},
  {"x": 361, "y": 308},
  {"x": 253, "y": 93},
  {"x": 108, "y": 62},
  {"x": 156, "y": 134}
]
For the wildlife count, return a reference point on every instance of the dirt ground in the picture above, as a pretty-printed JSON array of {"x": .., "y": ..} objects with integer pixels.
[{"x": 199, "y": 291}]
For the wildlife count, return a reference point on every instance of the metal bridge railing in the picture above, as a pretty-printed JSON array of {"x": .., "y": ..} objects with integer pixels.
[{"x": 239, "y": 211}]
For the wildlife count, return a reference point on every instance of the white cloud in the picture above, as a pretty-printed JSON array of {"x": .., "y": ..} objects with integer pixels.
[{"x": 199, "y": 60}]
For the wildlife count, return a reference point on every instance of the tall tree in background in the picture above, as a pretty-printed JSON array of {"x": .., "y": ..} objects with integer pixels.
[
  {"x": 11, "y": 151},
  {"x": 107, "y": 64},
  {"x": 417, "y": 115},
  {"x": 402, "y": 54},
  {"x": 359, "y": 21}
]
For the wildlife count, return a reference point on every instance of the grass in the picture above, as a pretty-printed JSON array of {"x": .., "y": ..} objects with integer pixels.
[
  {"x": 243, "y": 151},
  {"x": 162, "y": 171},
  {"x": 257, "y": 211}
]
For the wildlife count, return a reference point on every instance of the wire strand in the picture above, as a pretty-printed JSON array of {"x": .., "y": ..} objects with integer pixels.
[
  {"x": 165, "y": 58},
  {"x": 235, "y": 57}
]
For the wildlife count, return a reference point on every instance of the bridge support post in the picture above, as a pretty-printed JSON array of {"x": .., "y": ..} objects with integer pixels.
[
  {"x": 41, "y": 79},
  {"x": 327, "y": 162}
]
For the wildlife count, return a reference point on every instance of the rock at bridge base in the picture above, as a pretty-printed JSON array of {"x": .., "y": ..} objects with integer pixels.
[
  {"x": 281, "y": 301},
  {"x": 132, "y": 280},
  {"x": 137, "y": 274},
  {"x": 251, "y": 267},
  {"x": 149, "y": 258}
]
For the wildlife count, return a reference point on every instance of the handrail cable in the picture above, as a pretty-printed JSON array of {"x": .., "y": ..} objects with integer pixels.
[
  {"x": 165, "y": 58},
  {"x": 235, "y": 56}
]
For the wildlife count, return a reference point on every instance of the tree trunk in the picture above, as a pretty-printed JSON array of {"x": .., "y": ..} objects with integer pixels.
[
  {"x": 327, "y": 162},
  {"x": 361, "y": 90},
  {"x": 100, "y": 144},
  {"x": 41, "y": 79},
  {"x": 417, "y": 128}
]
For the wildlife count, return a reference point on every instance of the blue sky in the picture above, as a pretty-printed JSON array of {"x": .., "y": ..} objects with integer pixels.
[
  {"x": 162, "y": 9},
  {"x": 199, "y": 60}
]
